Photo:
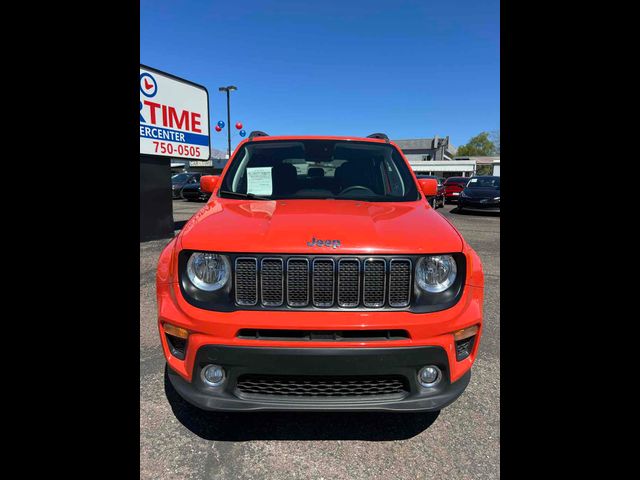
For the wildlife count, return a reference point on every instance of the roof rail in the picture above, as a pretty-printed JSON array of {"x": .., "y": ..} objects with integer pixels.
[
  {"x": 257, "y": 133},
  {"x": 381, "y": 136}
]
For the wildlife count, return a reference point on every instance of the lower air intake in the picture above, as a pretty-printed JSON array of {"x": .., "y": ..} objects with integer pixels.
[{"x": 319, "y": 386}]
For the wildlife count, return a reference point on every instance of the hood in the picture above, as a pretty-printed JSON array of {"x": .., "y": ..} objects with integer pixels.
[
  {"x": 290, "y": 226},
  {"x": 482, "y": 192}
]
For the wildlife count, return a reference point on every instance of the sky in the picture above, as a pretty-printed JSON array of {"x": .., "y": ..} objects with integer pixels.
[{"x": 410, "y": 69}]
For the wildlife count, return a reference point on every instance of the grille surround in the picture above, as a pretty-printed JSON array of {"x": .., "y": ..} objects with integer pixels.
[{"x": 321, "y": 282}]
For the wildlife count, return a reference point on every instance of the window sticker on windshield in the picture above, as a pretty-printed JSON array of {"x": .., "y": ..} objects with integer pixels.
[
  {"x": 473, "y": 180},
  {"x": 259, "y": 181}
]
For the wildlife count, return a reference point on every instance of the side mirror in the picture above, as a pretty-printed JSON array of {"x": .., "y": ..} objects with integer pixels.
[
  {"x": 429, "y": 186},
  {"x": 209, "y": 182}
]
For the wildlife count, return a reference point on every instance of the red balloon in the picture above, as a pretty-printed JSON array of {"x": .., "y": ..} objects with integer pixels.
[
  {"x": 218, "y": 128},
  {"x": 239, "y": 125}
]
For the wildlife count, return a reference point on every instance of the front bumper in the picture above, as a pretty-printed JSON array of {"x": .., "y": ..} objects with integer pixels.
[
  {"x": 471, "y": 203},
  {"x": 353, "y": 362},
  {"x": 431, "y": 334}
]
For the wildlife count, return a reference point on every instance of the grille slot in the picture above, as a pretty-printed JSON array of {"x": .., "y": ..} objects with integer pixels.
[
  {"x": 272, "y": 282},
  {"x": 374, "y": 282},
  {"x": 322, "y": 386},
  {"x": 349, "y": 282},
  {"x": 322, "y": 335},
  {"x": 399, "y": 282},
  {"x": 323, "y": 276},
  {"x": 298, "y": 282},
  {"x": 246, "y": 286}
]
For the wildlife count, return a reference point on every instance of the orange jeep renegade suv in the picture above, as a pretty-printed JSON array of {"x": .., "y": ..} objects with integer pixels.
[{"x": 318, "y": 277}]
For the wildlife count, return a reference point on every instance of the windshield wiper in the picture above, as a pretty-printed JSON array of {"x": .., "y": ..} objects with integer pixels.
[{"x": 244, "y": 195}]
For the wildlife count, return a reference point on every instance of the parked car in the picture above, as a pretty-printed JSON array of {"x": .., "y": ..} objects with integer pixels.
[
  {"x": 192, "y": 193},
  {"x": 179, "y": 180},
  {"x": 452, "y": 188},
  {"x": 436, "y": 200},
  {"x": 310, "y": 291},
  {"x": 481, "y": 193}
]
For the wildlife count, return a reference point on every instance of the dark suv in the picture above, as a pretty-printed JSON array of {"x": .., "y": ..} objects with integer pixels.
[{"x": 179, "y": 180}]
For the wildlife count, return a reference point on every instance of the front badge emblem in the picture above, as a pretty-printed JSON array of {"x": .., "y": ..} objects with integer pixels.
[{"x": 323, "y": 243}]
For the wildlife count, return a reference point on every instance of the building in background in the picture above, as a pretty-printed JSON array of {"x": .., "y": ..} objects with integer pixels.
[
  {"x": 427, "y": 149},
  {"x": 435, "y": 156},
  {"x": 484, "y": 165}
]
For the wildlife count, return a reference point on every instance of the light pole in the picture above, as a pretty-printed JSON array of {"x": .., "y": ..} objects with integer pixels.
[{"x": 228, "y": 89}]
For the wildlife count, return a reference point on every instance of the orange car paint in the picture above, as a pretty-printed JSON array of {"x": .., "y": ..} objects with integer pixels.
[{"x": 285, "y": 226}]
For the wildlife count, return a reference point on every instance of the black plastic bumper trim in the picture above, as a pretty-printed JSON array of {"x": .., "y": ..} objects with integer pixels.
[{"x": 404, "y": 361}]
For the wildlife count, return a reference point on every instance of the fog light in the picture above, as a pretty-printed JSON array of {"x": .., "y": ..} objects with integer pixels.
[
  {"x": 212, "y": 375},
  {"x": 429, "y": 376}
]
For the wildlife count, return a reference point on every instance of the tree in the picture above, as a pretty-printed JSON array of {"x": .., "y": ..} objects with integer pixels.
[
  {"x": 495, "y": 139},
  {"x": 478, "y": 146}
]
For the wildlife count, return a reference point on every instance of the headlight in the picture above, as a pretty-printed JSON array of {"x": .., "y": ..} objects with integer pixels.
[
  {"x": 496, "y": 198},
  {"x": 436, "y": 273},
  {"x": 462, "y": 194},
  {"x": 208, "y": 271}
]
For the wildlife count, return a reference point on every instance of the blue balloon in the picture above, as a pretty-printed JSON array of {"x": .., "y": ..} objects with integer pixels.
[
  {"x": 221, "y": 124},
  {"x": 242, "y": 133}
]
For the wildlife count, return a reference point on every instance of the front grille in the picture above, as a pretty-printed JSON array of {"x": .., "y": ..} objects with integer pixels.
[
  {"x": 272, "y": 282},
  {"x": 323, "y": 282},
  {"x": 322, "y": 335},
  {"x": 322, "y": 386},
  {"x": 246, "y": 281},
  {"x": 323, "y": 274},
  {"x": 349, "y": 282},
  {"x": 399, "y": 283},
  {"x": 374, "y": 282}
]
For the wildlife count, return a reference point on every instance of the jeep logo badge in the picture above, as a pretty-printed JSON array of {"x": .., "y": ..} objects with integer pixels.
[{"x": 323, "y": 243}]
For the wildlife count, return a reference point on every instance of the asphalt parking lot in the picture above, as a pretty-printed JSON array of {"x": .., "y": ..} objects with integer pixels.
[{"x": 461, "y": 442}]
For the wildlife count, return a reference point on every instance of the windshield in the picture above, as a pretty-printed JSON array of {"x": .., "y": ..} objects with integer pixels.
[
  {"x": 322, "y": 169},
  {"x": 484, "y": 182}
]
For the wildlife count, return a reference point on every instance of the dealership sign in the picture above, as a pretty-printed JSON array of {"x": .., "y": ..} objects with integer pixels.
[{"x": 174, "y": 116}]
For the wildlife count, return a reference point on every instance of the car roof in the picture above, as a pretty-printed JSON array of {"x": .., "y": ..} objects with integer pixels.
[{"x": 317, "y": 137}]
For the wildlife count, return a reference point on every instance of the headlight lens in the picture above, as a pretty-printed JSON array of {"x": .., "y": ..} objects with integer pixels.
[
  {"x": 208, "y": 271},
  {"x": 462, "y": 194},
  {"x": 436, "y": 273},
  {"x": 496, "y": 198}
]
